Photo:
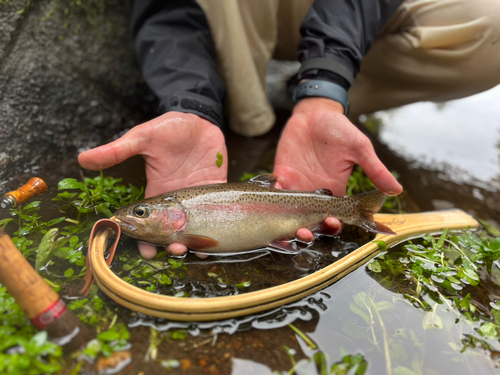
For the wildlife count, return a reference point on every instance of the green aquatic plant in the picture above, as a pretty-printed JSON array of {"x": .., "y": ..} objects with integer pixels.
[
  {"x": 219, "y": 160},
  {"x": 22, "y": 349},
  {"x": 115, "y": 339},
  {"x": 349, "y": 364},
  {"x": 57, "y": 245},
  {"x": 446, "y": 277}
]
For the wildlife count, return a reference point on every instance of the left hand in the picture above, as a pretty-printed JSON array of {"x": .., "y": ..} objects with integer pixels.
[{"x": 319, "y": 148}]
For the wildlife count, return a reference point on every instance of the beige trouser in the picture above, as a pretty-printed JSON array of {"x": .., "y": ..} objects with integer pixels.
[{"x": 429, "y": 50}]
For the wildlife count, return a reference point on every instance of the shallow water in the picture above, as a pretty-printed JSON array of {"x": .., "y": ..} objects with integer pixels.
[
  {"x": 257, "y": 344},
  {"x": 459, "y": 137}
]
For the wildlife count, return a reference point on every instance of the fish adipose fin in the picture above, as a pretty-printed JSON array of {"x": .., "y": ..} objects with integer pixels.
[
  {"x": 370, "y": 204},
  {"x": 197, "y": 242},
  {"x": 264, "y": 180}
]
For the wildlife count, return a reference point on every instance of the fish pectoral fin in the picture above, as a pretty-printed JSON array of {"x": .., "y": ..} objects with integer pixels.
[
  {"x": 197, "y": 242},
  {"x": 368, "y": 223},
  {"x": 284, "y": 245},
  {"x": 269, "y": 180}
]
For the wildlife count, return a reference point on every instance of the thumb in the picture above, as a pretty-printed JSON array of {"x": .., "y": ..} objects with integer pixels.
[
  {"x": 106, "y": 156},
  {"x": 380, "y": 175}
]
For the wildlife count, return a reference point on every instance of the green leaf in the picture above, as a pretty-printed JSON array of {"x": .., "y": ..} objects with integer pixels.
[
  {"x": 108, "y": 336},
  {"x": 488, "y": 330},
  {"x": 4, "y": 222},
  {"x": 103, "y": 209},
  {"x": 381, "y": 245},
  {"x": 46, "y": 248},
  {"x": 357, "y": 310},
  {"x": 432, "y": 320},
  {"x": 54, "y": 221},
  {"x": 219, "y": 160},
  {"x": 40, "y": 338},
  {"x": 69, "y": 272},
  {"x": 71, "y": 183},
  {"x": 442, "y": 239},
  {"x": 32, "y": 205},
  {"x": 495, "y": 244},
  {"x": 374, "y": 266}
]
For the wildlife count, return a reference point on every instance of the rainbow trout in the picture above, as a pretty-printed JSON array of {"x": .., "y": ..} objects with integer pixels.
[{"x": 242, "y": 216}]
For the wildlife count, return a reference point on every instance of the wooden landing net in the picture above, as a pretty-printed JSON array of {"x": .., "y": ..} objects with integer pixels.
[{"x": 217, "y": 308}]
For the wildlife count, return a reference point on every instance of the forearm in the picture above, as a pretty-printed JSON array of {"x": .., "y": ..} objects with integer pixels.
[
  {"x": 177, "y": 57},
  {"x": 336, "y": 34}
]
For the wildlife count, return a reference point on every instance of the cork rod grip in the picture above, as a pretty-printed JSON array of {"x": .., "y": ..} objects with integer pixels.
[
  {"x": 30, "y": 291},
  {"x": 33, "y": 187}
]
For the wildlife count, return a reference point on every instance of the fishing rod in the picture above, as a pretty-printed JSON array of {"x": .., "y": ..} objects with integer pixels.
[
  {"x": 33, "y": 187},
  {"x": 39, "y": 302}
]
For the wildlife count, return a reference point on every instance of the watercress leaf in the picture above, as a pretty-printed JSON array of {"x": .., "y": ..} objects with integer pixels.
[
  {"x": 54, "y": 221},
  {"x": 432, "y": 320},
  {"x": 495, "y": 244},
  {"x": 32, "y": 205},
  {"x": 471, "y": 274},
  {"x": 69, "y": 272},
  {"x": 219, "y": 160},
  {"x": 381, "y": 245},
  {"x": 4, "y": 222},
  {"x": 103, "y": 209},
  {"x": 488, "y": 330},
  {"x": 40, "y": 338},
  {"x": 71, "y": 183},
  {"x": 73, "y": 240},
  {"x": 108, "y": 335},
  {"x": 357, "y": 310},
  {"x": 374, "y": 266},
  {"x": 384, "y": 305},
  {"x": 440, "y": 243}
]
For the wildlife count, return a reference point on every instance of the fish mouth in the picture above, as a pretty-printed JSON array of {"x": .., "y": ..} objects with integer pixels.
[{"x": 126, "y": 226}]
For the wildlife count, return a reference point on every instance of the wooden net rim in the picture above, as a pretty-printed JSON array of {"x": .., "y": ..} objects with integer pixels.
[{"x": 217, "y": 308}]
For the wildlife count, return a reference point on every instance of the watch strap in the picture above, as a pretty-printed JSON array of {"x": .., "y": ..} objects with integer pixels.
[{"x": 316, "y": 88}]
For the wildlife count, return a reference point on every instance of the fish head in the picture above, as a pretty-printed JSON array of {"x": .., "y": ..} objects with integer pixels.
[{"x": 153, "y": 220}]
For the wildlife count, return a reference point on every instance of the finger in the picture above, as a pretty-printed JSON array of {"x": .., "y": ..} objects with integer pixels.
[
  {"x": 177, "y": 249},
  {"x": 333, "y": 225},
  {"x": 305, "y": 235},
  {"x": 106, "y": 156},
  {"x": 379, "y": 174},
  {"x": 147, "y": 250}
]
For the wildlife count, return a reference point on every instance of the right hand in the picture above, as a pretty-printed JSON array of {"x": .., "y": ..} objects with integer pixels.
[{"x": 180, "y": 150}]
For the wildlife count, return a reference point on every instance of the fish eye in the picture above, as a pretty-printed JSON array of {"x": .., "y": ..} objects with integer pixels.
[{"x": 141, "y": 211}]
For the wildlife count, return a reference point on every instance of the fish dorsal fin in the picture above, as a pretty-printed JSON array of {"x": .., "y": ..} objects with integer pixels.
[
  {"x": 324, "y": 192},
  {"x": 268, "y": 180}
]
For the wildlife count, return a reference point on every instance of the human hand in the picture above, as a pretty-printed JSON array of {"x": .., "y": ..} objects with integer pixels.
[
  {"x": 179, "y": 149},
  {"x": 318, "y": 149}
]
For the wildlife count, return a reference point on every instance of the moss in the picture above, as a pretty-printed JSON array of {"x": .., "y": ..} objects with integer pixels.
[{"x": 77, "y": 15}]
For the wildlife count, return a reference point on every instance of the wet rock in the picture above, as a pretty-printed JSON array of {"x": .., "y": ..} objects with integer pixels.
[{"x": 63, "y": 89}]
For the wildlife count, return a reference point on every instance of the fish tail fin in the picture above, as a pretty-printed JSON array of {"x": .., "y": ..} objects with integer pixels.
[{"x": 370, "y": 203}]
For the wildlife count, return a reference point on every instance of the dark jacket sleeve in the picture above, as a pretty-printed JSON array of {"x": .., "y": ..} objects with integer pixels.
[
  {"x": 177, "y": 57},
  {"x": 336, "y": 34}
]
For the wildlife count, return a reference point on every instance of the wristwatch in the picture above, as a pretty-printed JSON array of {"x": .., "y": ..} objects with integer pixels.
[{"x": 315, "y": 88}]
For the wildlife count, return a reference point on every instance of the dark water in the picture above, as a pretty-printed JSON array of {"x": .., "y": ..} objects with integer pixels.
[{"x": 394, "y": 341}]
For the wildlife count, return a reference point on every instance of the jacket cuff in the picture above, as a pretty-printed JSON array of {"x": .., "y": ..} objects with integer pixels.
[
  {"x": 327, "y": 64},
  {"x": 188, "y": 102}
]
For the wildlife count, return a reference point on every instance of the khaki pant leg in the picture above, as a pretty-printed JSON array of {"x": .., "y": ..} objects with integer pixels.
[
  {"x": 291, "y": 13},
  {"x": 430, "y": 50},
  {"x": 244, "y": 33}
]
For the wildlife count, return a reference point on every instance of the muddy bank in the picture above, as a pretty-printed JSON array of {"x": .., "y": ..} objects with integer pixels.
[{"x": 69, "y": 80}]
